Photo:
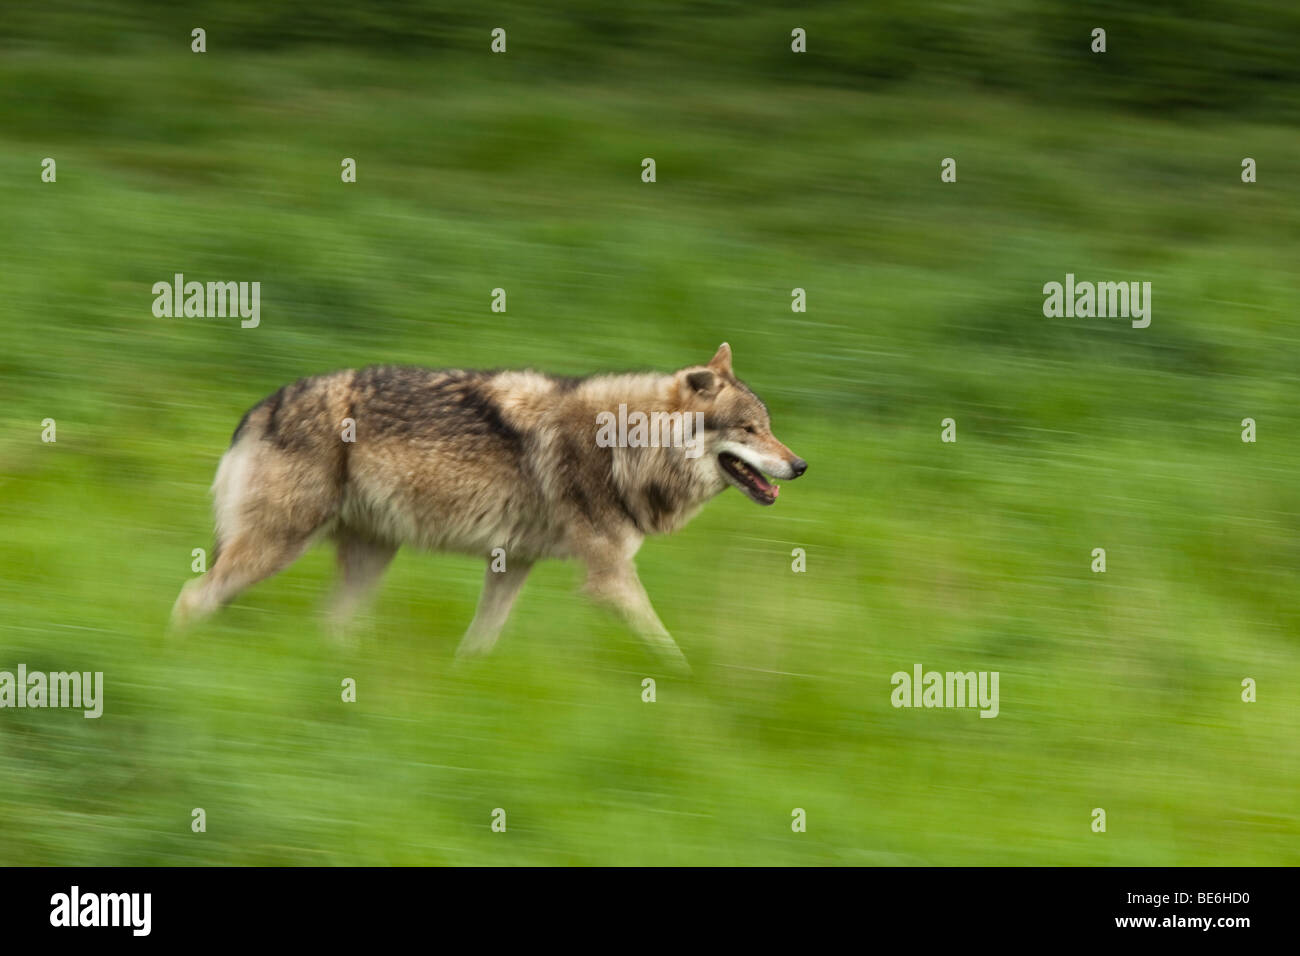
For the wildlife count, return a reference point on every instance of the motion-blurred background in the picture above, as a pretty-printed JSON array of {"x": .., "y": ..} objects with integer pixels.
[{"x": 775, "y": 171}]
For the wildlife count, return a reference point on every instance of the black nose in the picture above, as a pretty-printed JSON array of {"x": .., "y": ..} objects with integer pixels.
[{"x": 798, "y": 466}]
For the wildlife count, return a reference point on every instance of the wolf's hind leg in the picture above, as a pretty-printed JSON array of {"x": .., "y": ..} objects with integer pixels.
[
  {"x": 247, "y": 558},
  {"x": 362, "y": 562},
  {"x": 500, "y": 588},
  {"x": 618, "y": 586}
]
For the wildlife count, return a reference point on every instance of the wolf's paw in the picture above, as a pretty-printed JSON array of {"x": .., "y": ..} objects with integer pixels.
[
  {"x": 676, "y": 665},
  {"x": 474, "y": 645},
  {"x": 185, "y": 612},
  {"x": 341, "y": 633}
]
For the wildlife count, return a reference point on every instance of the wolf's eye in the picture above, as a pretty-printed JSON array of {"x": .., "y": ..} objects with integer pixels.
[{"x": 751, "y": 429}]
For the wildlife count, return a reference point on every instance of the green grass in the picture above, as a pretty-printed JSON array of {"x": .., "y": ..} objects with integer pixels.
[{"x": 1118, "y": 691}]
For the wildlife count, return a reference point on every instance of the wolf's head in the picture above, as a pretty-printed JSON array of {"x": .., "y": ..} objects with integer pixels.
[{"x": 739, "y": 447}]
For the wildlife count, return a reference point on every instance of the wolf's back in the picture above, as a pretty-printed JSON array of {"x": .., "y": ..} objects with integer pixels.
[{"x": 406, "y": 454}]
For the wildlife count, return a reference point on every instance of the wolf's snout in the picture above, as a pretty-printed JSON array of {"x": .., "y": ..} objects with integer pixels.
[{"x": 798, "y": 466}]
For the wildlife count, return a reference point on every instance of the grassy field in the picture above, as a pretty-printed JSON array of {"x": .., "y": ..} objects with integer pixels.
[{"x": 1118, "y": 690}]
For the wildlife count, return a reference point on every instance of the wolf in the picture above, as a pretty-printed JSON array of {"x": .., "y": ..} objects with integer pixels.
[{"x": 483, "y": 463}]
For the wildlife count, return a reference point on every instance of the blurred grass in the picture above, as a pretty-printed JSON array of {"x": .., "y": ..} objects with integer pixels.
[{"x": 1118, "y": 691}]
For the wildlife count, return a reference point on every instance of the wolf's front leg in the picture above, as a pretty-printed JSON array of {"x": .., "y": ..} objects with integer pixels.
[
  {"x": 619, "y": 587},
  {"x": 500, "y": 588}
]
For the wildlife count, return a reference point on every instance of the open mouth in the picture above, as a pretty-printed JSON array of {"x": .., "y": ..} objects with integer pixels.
[{"x": 748, "y": 479}]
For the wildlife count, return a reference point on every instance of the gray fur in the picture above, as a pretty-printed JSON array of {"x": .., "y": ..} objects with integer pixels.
[{"x": 471, "y": 461}]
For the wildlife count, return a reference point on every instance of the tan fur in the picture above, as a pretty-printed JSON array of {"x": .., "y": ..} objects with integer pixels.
[{"x": 470, "y": 462}]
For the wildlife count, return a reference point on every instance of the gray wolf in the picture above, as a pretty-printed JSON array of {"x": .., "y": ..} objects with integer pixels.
[{"x": 472, "y": 462}]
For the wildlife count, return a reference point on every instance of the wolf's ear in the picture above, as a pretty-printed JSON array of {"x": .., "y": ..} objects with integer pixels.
[
  {"x": 703, "y": 382},
  {"x": 721, "y": 361}
]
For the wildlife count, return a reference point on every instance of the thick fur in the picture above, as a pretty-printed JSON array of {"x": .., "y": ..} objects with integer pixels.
[{"x": 468, "y": 462}]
